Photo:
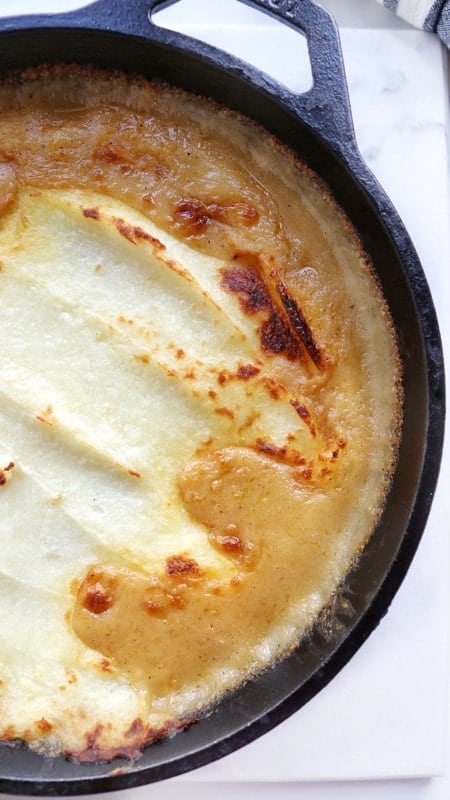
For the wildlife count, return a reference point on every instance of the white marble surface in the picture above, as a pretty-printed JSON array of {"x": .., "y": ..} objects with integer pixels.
[{"x": 383, "y": 716}]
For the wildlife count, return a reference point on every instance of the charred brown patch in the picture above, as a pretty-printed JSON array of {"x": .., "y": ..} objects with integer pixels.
[
  {"x": 248, "y": 285},
  {"x": 97, "y": 598},
  {"x": 300, "y": 325},
  {"x": 276, "y": 337},
  {"x": 301, "y": 410},
  {"x": 247, "y": 371},
  {"x": 222, "y": 377},
  {"x": 134, "y": 473},
  {"x": 194, "y": 214},
  {"x": 270, "y": 449},
  {"x": 135, "y": 234},
  {"x": 180, "y": 565},
  {"x": 91, "y": 213},
  {"x": 284, "y": 329},
  {"x": 305, "y": 415},
  {"x": 254, "y": 295},
  {"x": 274, "y": 388}
]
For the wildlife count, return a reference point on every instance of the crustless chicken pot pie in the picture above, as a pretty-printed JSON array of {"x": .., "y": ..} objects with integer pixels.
[{"x": 199, "y": 407}]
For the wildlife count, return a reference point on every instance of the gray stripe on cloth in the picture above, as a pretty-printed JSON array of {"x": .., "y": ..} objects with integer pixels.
[
  {"x": 433, "y": 15},
  {"x": 443, "y": 26}
]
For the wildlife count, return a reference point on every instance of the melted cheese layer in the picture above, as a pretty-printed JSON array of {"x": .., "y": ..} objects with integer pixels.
[{"x": 189, "y": 462}]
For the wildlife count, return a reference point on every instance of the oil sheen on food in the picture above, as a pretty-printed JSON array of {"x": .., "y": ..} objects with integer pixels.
[{"x": 199, "y": 407}]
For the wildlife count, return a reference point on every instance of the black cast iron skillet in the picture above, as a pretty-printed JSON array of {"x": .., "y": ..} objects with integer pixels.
[{"x": 317, "y": 126}]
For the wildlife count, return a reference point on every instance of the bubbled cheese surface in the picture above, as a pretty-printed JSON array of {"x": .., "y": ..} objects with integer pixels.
[{"x": 199, "y": 408}]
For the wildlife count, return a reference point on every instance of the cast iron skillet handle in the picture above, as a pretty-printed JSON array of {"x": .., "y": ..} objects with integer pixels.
[{"x": 326, "y": 106}]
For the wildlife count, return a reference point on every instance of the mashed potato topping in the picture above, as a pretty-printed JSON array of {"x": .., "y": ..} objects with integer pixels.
[{"x": 199, "y": 407}]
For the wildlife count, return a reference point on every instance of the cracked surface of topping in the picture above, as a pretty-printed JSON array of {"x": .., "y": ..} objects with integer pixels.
[{"x": 199, "y": 407}]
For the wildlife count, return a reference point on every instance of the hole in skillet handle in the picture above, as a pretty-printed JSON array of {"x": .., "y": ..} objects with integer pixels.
[{"x": 247, "y": 34}]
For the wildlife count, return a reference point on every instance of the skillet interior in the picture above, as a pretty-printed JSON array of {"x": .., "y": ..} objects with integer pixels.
[{"x": 369, "y": 589}]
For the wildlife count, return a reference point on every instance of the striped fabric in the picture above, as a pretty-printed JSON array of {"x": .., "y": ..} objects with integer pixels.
[{"x": 431, "y": 15}]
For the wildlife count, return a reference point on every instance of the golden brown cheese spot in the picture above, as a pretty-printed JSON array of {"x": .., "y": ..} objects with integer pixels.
[
  {"x": 44, "y": 725},
  {"x": 105, "y": 665},
  {"x": 305, "y": 415},
  {"x": 271, "y": 449},
  {"x": 97, "y": 597},
  {"x": 193, "y": 215},
  {"x": 273, "y": 387},
  {"x": 136, "y": 234},
  {"x": 168, "y": 630},
  {"x": 91, "y": 213},
  {"x": 247, "y": 371},
  {"x": 224, "y": 412},
  {"x": 181, "y": 565},
  {"x": 144, "y": 358}
]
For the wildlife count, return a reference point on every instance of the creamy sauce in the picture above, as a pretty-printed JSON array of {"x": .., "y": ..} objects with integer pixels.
[{"x": 199, "y": 408}]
